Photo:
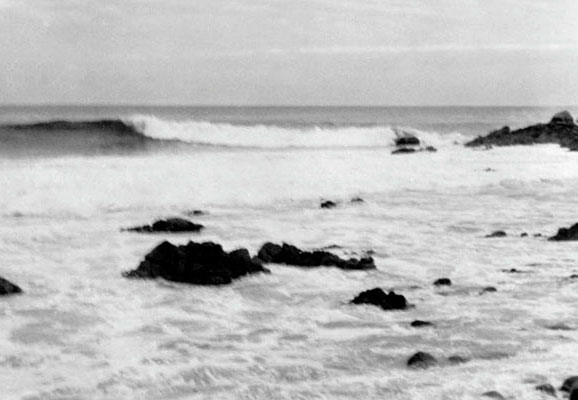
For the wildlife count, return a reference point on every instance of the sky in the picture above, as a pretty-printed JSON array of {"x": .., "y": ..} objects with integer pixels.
[{"x": 289, "y": 52}]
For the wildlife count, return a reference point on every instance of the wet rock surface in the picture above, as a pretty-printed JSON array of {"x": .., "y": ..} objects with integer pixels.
[
  {"x": 173, "y": 225},
  {"x": 566, "y": 234},
  {"x": 7, "y": 287},
  {"x": 421, "y": 360},
  {"x": 561, "y": 130},
  {"x": 196, "y": 263},
  {"x": 291, "y": 255},
  {"x": 328, "y": 204},
  {"x": 443, "y": 282},
  {"x": 421, "y": 324},
  {"x": 496, "y": 234},
  {"x": 377, "y": 297},
  {"x": 546, "y": 388}
]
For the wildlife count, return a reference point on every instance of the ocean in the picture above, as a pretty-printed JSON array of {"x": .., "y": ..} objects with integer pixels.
[{"x": 72, "y": 177}]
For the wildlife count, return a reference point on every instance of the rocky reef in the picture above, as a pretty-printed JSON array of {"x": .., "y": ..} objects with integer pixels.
[{"x": 561, "y": 129}]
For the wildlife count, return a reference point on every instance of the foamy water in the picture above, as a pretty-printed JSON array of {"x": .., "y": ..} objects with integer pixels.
[{"x": 81, "y": 331}]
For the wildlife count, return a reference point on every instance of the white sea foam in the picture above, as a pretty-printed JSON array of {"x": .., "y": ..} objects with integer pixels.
[{"x": 275, "y": 137}]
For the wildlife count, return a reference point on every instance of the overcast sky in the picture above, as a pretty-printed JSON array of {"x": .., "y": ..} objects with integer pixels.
[{"x": 295, "y": 52}]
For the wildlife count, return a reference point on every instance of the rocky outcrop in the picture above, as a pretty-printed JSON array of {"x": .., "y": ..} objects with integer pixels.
[
  {"x": 568, "y": 383},
  {"x": 421, "y": 360},
  {"x": 377, "y": 297},
  {"x": 7, "y": 287},
  {"x": 196, "y": 263},
  {"x": 561, "y": 130},
  {"x": 291, "y": 255},
  {"x": 565, "y": 234},
  {"x": 443, "y": 282},
  {"x": 328, "y": 204},
  {"x": 497, "y": 234},
  {"x": 420, "y": 324},
  {"x": 407, "y": 141},
  {"x": 546, "y": 388},
  {"x": 175, "y": 225}
]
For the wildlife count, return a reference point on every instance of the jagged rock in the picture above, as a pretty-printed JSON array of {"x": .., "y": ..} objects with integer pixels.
[
  {"x": 546, "y": 388},
  {"x": 560, "y": 130},
  {"x": 404, "y": 150},
  {"x": 177, "y": 225},
  {"x": 407, "y": 141},
  {"x": 568, "y": 383},
  {"x": 377, "y": 297},
  {"x": 443, "y": 282},
  {"x": 566, "y": 234},
  {"x": 328, "y": 204},
  {"x": 497, "y": 234},
  {"x": 421, "y": 360},
  {"x": 291, "y": 255},
  {"x": 457, "y": 360},
  {"x": 420, "y": 324},
  {"x": 196, "y": 263},
  {"x": 7, "y": 287},
  {"x": 492, "y": 394}
]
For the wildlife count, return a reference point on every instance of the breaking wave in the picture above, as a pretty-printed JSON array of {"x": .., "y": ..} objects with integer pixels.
[{"x": 146, "y": 132}]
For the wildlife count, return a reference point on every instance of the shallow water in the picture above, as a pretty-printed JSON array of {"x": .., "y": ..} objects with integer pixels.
[{"x": 82, "y": 331}]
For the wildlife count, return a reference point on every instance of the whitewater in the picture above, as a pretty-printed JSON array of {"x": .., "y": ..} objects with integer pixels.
[{"x": 82, "y": 331}]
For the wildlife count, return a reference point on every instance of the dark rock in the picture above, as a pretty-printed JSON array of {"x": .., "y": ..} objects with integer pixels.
[
  {"x": 494, "y": 395},
  {"x": 566, "y": 234},
  {"x": 443, "y": 282},
  {"x": 537, "y": 235},
  {"x": 431, "y": 149},
  {"x": 357, "y": 200},
  {"x": 497, "y": 234},
  {"x": 407, "y": 141},
  {"x": 419, "y": 323},
  {"x": 568, "y": 383},
  {"x": 489, "y": 289},
  {"x": 377, "y": 297},
  {"x": 547, "y": 389},
  {"x": 197, "y": 263},
  {"x": 563, "y": 118},
  {"x": 524, "y": 234},
  {"x": 573, "y": 392},
  {"x": 291, "y": 255},
  {"x": 457, "y": 360},
  {"x": 328, "y": 204},
  {"x": 489, "y": 170},
  {"x": 560, "y": 130},
  {"x": 421, "y": 360},
  {"x": 196, "y": 213},
  {"x": 7, "y": 287},
  {"x": 560, "y": 327},
  {"x": 573, "y": 276},
  {"x": 168, "y": 225},
  {"x": 404, "y": 150}
]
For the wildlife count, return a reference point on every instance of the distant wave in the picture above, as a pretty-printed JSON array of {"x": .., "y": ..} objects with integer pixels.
[{"x": 144, "y": 132}]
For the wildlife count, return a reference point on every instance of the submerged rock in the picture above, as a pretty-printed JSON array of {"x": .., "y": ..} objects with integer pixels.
[
  {"x": 420, "y": 324},
  {"x": 546, "y": 388},
  {"x": 566, "y": 234},
  {"x": 7, "y": 287},
  {"x": 443, "y": 282},
  {"x": 489, "y": 289},
  {"x": 492, "y": 394},
  {"x": 196, "y": 263},
  {"x": 357, "y": 200},
  {"x": 431, "y": 149},
  {"x": 524, "y": 234},
  {"x": 404, "y": 150},
  {"x": 168, "y": 225},
  {"x": 291, "y": 255},
  {"x": 421, "y": 360},
  {"x": 560, "y": 130},
  {"x": 457, "y": 360},
  {"x": 377, "y": 297},
  {"x": 328, "y": 204},
  {"x": 497, "y": 234}
]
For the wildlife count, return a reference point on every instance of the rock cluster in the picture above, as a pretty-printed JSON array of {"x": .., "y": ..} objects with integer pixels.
[
  {"x": 377, "y": 297},
  {"x": 196, "y": 263},
  {"x": 291, "y": 255},
  {"x": 175, "y": 225}
]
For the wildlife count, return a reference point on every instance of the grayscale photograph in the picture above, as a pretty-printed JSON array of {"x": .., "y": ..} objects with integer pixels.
[{"x": 288, "y": 200}]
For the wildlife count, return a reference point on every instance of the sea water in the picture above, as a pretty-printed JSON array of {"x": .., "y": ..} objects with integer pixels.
[{"x": 82, "y": 331}]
